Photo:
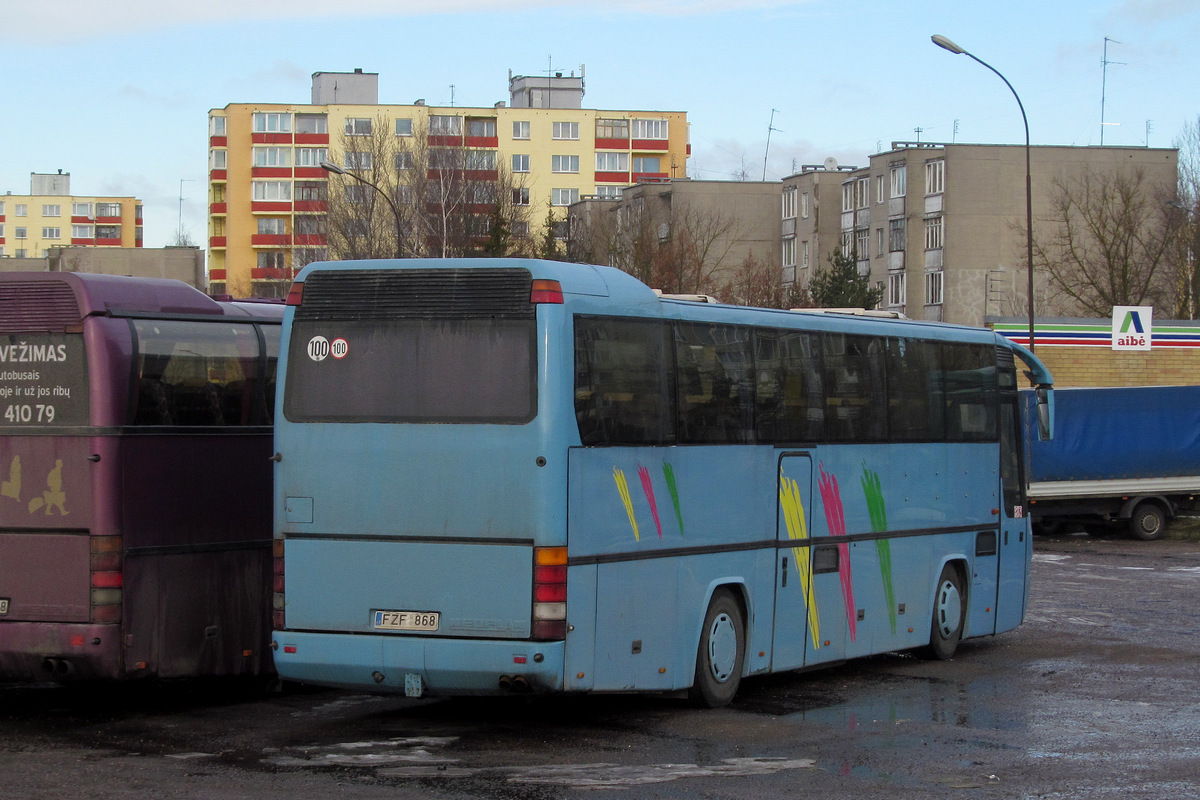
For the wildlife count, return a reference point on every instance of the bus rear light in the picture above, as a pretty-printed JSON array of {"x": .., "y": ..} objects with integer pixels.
[
  {"x": 106, "y": 580},
  {"x": 277, "y": 599},
  {"x": 546, "y": 291},
  {"x": 549, "y": 593},
  {"x": 105, "y": 597},
  {"x": 106, "y": 615},
  {"x": 295, "y": 295}
]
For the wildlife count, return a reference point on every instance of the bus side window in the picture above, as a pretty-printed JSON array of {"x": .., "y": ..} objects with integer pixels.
[
  {"x": 854, "y": 388},
  {"x": 622, "y": 383},
  {"x": 716, "y": 383}
]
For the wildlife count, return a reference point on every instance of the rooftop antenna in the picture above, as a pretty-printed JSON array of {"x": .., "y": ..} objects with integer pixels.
[
  {"x": 1149, "y": 130},
  {"x": 452, "y": 95},
  {"x": 1104, "y": 62},
  {"x": 918, "y": 132},
  {"x": 770, "y": 127},
  {"x": 954, "y": 136}
]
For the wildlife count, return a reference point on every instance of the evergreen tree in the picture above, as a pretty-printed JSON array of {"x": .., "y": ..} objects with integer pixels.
[{"x": 839, "y": 285}]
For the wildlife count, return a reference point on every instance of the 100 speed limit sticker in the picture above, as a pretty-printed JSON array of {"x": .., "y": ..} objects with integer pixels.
[{"x": 320, "y": 348}]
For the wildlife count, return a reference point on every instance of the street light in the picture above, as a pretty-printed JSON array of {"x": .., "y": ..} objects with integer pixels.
[
  {"x": 329, "y": 166},
  {"x": 946, "y": 44}
]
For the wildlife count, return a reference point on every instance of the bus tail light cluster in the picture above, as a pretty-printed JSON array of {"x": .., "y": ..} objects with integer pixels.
[
  {"x": 107, "y": 580},
  {"x": 295, "y": 295},
  {"x": 549, "y": 593},
  {"x": 277, "y": 604},
  {"x": 546, "y": 291}
]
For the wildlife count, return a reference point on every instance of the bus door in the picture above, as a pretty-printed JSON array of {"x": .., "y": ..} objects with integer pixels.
[
  {"x": 1016, "y": 541},
  {"x": 805, "y": 632}
]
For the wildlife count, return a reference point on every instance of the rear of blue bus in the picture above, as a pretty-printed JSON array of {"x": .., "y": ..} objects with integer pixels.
[{"x": 420, "y": 492}]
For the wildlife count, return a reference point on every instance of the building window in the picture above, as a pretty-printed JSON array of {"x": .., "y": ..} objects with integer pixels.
[
  {"x": 445, "y": 125},
  {"x": 521, "y": 129},
  {"x": 899, "y": 176},
  {"x": 863, "y": 188},
  {"x": 271, "y": 190},
  {"x": 310, "y": 191},
  {"x": 311, "y": 156},
  {"x": 270, "y": 122},
  {"x": 520, "y": 230},
  {"x": 52, "y": 210},
  {"x": 789, "y": 253},
  {"x": 274, "y": 226},
  {"x": 646, "y": 164},
  {"x": 848, "y": 196},
  {"x": 608, "y": 192},
  {"x": 879, "y": 196},
  {"x": 20, "y": 233},
  {"x": 649, "y": 129},
  {"x": 358, "y": 193},
  {"x": 481, "y": 159},
  {"x": 896, "y": 285},
  {"x": 310, "y": 225},
  {"x": 108, "y": 209},
  {"x": 564, "y": 163},
  {"x": 789, "y": 203},
  {"x": 271, "y": 259},
  {"x": 51, "y": 233},
  {"x": 216, "y": 126},
  {"x": 311, "y": 123},
  {"x": 933, "y": 288},
  {"x": 862, "y": 243},
  {"x": 404, "y": 126},
  {"x": 217, "y": 159},
  {"x": 358, "y": 126},
  {"x": 20, "y": 210},
  {"x": 108, "y": 231},
  {"x": 896, "y": 235},
  {"x": 804, "y": 255},
  {"x": 880, "y": 249},
  {"x": 612, "y": 162},
  {"x": 359, "y": 160},
  {"x": 563, "y": 197},
  {"x": 565, "y": 130},
  {"x": 20, "y": 252},
  {"x": 79, "y": 209},
  {"x": 520, "y": 196},
  {"x": 272, "y": 156},
  {"x": 935, "y": 176},
  {"x": 403, "y": 161},
  {"x": 933, "y": 233},
  {"x": 804, "y": 205},
  {"x": 612, "y": 129},
  {"x": 520, "y": 162},
  {"x": 482, "y": 127}
]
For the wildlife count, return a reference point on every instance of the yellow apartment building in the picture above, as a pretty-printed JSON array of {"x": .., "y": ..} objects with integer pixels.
[
  {"x": 268, "y": 191},
  {"x": 50, "y": 216}
]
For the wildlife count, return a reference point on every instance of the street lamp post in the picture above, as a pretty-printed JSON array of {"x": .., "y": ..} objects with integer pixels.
[
  {"x": 946, "y": 44},
  {"x": 329, "y": 166}
]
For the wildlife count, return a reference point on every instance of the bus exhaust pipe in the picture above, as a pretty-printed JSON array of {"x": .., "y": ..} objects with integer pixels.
[
  {"x": 519, "y": 684},
  {"x": 49, "y": 666},
  {"x": 63, "y": 668},
  {"x": 505, "y": 683}
]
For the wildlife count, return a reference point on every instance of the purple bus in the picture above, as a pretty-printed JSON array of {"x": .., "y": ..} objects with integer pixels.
[{"x": 135, "y": 479}]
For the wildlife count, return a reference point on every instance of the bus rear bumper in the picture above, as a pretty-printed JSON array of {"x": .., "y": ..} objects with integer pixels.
[
  {"x": 46, "y": 651},
  {"x": 418, "y": 666}
]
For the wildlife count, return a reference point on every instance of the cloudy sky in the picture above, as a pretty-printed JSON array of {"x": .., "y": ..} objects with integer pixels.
[{"x": 118, "y": 93}]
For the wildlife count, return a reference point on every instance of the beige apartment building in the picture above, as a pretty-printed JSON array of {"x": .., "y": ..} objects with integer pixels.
[
  {"x": 941, "y": 227},
  {"x": 268, "y": 194},
  {"x": 50, "y": 216},
  {"x": 811, "y": 210}
]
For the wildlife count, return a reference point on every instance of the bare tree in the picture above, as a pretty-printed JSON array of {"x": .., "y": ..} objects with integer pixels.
[
  {"x": 758, "y": 283},
  {"x": 1185, "y": 224},
  {"x": 1108, "y": 245}
]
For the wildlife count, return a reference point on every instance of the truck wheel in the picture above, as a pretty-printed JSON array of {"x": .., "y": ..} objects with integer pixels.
[
  {"x": 1147, "y": 522},
  {"x": 949, "y": 609},
  {"x": 721, "y": 653}
]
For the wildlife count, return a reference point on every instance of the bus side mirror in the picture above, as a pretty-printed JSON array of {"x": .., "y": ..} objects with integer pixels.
[{"x": 1045, "y": 413}]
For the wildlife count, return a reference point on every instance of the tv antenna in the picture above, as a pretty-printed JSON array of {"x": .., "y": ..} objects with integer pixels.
[
  {"x": 1104, "y": 62},
  {"x": 770, "y": 127}
]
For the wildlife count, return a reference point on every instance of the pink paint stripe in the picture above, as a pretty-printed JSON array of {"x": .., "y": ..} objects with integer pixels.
[{"x": 648, "y": 488}]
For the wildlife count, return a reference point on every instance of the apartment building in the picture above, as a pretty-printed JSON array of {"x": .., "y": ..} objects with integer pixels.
[
  {"x": 809, "y": 236},
  {"x": 268, "y": 194},
  {"x": 50, "y": 216},
  {"x": 941, "y": 227}
]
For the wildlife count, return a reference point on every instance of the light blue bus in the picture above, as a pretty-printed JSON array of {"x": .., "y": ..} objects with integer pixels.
[{"x": 516, "y": 476}]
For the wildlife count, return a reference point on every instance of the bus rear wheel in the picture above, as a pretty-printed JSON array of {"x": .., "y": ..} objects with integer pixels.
[
  {"x": 721, "y": 653},
  {"x": 948, "y": 615}
]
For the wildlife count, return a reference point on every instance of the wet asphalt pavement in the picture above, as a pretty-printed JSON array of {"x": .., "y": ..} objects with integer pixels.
[{"x": 1096, "y": 696}]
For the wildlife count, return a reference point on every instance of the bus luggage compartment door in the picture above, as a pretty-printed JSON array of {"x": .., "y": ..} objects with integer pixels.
[{"x": 406, "y": 587}]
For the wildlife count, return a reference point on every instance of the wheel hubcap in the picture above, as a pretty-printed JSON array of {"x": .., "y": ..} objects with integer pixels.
[
  {"x": 722, "y": 647},
  {"x": 949, "y": 608}
]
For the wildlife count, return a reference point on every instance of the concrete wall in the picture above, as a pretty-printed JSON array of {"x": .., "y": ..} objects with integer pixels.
[{"x": 181, "y": 263}]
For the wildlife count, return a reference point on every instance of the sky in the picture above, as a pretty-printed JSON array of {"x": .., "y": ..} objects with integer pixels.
[{"x": 118, "y": 93}]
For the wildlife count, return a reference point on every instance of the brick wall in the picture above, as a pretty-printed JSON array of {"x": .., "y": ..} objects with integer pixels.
[{"x": 1100, "y": 366}]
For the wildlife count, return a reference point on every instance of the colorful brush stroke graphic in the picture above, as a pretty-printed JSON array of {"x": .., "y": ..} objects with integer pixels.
[
  {"x": 835, "y": 517},
  {"x": 623, "y": 489},
  {"x": 669, "y": 474},
  {"x": 793, "y": 517},
  {"x": 878, "y": 511},
  {"x": 648, "y": 489}
]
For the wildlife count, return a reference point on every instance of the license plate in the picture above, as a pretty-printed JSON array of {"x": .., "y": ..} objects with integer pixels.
[
  {"x": 405, "y": 620},
  {"x": 3, "y": 605}
]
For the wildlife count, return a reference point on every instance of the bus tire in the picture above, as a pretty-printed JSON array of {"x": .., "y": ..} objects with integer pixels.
[
  {"x": 1147, "y": 522},
  {"x": 949, "y": 614},
  {"x": 721, "y": 653}
]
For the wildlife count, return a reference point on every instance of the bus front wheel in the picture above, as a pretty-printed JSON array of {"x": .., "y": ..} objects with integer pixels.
[
  {"x": 721, "y": 653},
  {"x": 948, "y": 615}
]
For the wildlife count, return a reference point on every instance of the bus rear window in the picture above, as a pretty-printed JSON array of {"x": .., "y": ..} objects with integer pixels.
[{"x": 412, "y": 370}]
